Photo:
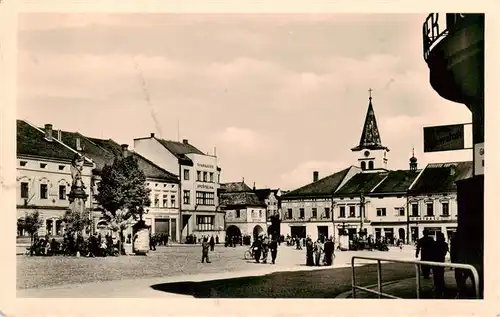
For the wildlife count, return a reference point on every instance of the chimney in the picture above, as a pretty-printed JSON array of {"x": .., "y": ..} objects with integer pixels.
[
  {"x": 125, "y": 150},
  {"x": 185, "y": 141},
  {"x": 253, "y": 185},
  {"x": 315, "y": 176},
  {"x": 48, "y": 131},
  {"x": 152, "y": 135},
  {"x": 78, "y": 144},
  {"x": 59, "y": 135}
]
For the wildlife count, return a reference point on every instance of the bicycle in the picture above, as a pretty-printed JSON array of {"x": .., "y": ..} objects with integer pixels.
[{"x": 249, "y": 254}]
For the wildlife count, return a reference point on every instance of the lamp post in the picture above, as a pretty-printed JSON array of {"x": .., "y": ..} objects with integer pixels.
[{"x": 333, "y": 218}]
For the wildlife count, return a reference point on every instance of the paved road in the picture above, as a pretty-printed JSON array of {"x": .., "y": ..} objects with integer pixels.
[{"x": 131, "y": 276}]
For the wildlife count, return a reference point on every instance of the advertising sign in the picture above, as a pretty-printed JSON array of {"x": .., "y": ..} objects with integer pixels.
[
  {"x": 479, "y": 159},
  {"x": 444, "y": 138}
]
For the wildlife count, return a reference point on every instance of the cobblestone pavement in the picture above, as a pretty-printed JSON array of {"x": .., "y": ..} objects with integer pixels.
[{"x": 71, "y": 276}]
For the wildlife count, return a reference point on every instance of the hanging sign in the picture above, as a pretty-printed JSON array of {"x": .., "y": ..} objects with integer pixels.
[
  {"x": 479, "y": 159},
  {"x": 444, "y": 138}
]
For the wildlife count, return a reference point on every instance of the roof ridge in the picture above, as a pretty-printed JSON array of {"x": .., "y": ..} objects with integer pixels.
[
  {"x": 60, "y": 142},
  {"x": 417, "y": 178},
  {"x": 379, "y": 183}
]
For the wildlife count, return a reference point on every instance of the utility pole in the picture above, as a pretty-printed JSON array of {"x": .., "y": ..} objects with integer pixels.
[{"x": 361, "y": 212}]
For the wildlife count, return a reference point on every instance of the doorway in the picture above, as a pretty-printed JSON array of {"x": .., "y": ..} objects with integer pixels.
[{"x": 322, "y": 233}]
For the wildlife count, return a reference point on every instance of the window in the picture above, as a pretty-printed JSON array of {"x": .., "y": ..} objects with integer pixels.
[
  {"x": 238, "y": 213},
  {"x": 43, "y": 191},
  {"x": 62, "y": 192},
  {"x": 172, "y": 201},
  {"x": 301, "y": 213},
  {"x": 211, "y": 177},
  {"x": 430, "y": 210},
  {"x": 399, "y": 211},
  {"x": 381, "y": 212},
  {"x": 260, "y": 213},
  {"x": 165, "y": 201},
  {"x": 414, "y": 210},
  {"x": 352, "y": 211},
  {"x": 24, "y": 190},
  {"x": 205, "y": 223},
  {"x": 198, "y": 176},
  {"x": 342, "y": 212},
  {"x": 43, "y": 165},
  {"x": 157, "y": 200},
  {"x": 23, "y": 163},
  {"x": 205, "y": 176},
  {"x": 446, "y": 209},
  {"x": 187, "y": 197},
  {"x": 205, "y": 198},
  {"x": 370, "y": 165},
  {"x": 186, "y": 174},
  {"x": 363, "y": 165},
  {"x": 315, "y": 212},
  {"x": 289, "y": 211},
  {"x": 61, "y": 167},
  {"x": 327, "y": 212}
]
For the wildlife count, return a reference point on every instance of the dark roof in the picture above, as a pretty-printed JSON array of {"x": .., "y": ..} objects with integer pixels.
[
  {"x": 370, "y": 137},
  {"x": 441, "y": 177},
  {"x": 263, "y": 193},
  {"x": 396, "y": 182},
  {"x": 91, "y": 149},
  {"x": 323, "y": 187},
  {"x": 32, "y": 142},
  {"x": 235, "y": 187},
  {"x": 240, "y": 199},
  {"x": 361, "y": 183},
  {"x": 151, "y": 170}
]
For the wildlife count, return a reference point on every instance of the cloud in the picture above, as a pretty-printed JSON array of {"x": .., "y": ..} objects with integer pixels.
[
  {"x": 240, "y": 139},
  {"x": 302, "y": 174}
]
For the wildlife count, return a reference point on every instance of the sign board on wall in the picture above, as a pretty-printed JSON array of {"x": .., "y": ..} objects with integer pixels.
[
  {"x": 479, "y": 159},
  {"x": 444, "y": 138}
]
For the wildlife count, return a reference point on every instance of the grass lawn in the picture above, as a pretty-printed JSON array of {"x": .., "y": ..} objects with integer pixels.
[{"x": 326, "y": 283}]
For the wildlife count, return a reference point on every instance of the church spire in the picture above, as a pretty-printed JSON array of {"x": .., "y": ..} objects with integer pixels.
[{"x": 370, "y": 137}]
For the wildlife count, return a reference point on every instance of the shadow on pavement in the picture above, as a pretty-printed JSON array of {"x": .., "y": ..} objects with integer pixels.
[{"x": 326, "y": 283}]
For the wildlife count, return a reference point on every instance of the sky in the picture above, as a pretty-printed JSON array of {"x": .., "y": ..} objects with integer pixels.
[{"x": 277, "y": 96}]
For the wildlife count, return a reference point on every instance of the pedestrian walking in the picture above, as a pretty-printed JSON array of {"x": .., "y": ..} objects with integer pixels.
[
  {"x": 212, "y": 243},
  {"x": 439, "y": 251},
  {"x": 318, "y": 251},
  {"x": 309, "y": 252},
  {"x": 265, "y": 249},
  {"x": 256, "y": 246},
  {"x": 273, "y": 246},
  {"x": 329, "y": 248},
  {"x": 424, "y": 247},
  {"x": 204, "y": 251}
]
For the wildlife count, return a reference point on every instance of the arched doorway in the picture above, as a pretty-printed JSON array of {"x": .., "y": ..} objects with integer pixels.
[
  {"x": 402, "y": 235},
  {"x": 257, "y": 230},
  {"x": 233, "y": 231}
]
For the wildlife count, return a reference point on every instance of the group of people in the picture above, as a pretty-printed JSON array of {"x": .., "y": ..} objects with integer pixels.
[
  {"x": 434, "y": 251},
  {"x": 262, "y": 246},
  {"x": 319, "y": 253},
  {"x": 94, "y": 245}
]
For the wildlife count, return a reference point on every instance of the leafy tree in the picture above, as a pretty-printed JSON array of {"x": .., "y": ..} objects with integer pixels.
[
  {"x": 32, "y": 222},
  {"x": 76, "y": 221},
  {"x": 122, "y": 192}
]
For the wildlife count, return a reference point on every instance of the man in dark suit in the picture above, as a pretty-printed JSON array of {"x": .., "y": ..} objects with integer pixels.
[{"x": 425, "y": 248}]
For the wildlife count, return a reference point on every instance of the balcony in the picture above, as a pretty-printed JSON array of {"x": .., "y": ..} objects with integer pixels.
[{"x": 454, "y": 53}]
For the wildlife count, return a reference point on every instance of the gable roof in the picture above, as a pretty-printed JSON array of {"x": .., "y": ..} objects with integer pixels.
[
  {"x": 151, "y": 170},
  {"x": 396, "y": 182},
  {"x": 234, "y": 199},
  {"x": 234, "y": 187},
  {"x": 263, "y": 193},
  {"x": 361, "y": 183},
  {"x": 31, "y": 142},
  {"x": 441, "y": 177},
  {"x": 323, "y": 187}
]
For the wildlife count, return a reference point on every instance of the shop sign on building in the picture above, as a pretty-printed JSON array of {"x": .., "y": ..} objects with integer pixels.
[{"x": 444, "y": 138}]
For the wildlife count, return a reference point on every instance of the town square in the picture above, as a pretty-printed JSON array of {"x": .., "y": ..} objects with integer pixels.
[{"x": 272, "y": 163}]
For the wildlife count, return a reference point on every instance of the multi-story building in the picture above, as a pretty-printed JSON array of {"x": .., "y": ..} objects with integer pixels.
[
  {"x": 199, "y": 209},
  {"x": 44, "y": 176},
  {"x": 432, "y": 199},
  {"x": 371, "y": 199},
  {"x": 245, "y": 212}
]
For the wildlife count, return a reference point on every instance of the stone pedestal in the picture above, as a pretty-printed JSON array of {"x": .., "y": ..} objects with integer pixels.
[{"x": 77, "y": 198}]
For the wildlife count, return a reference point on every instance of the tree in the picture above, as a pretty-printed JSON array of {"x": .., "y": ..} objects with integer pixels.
[
  {"x": 122, "y": 192},
  {"x": 32, "y": 222},
  {"x": 76, "y": 221}
]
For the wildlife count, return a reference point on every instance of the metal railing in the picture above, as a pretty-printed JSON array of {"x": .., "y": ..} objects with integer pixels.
[{"x": 417, "y": 274}]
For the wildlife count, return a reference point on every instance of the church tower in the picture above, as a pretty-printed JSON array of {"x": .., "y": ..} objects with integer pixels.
[
  {"x": 372, "y": 154},
  {"x": 413, "y": 162}
]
